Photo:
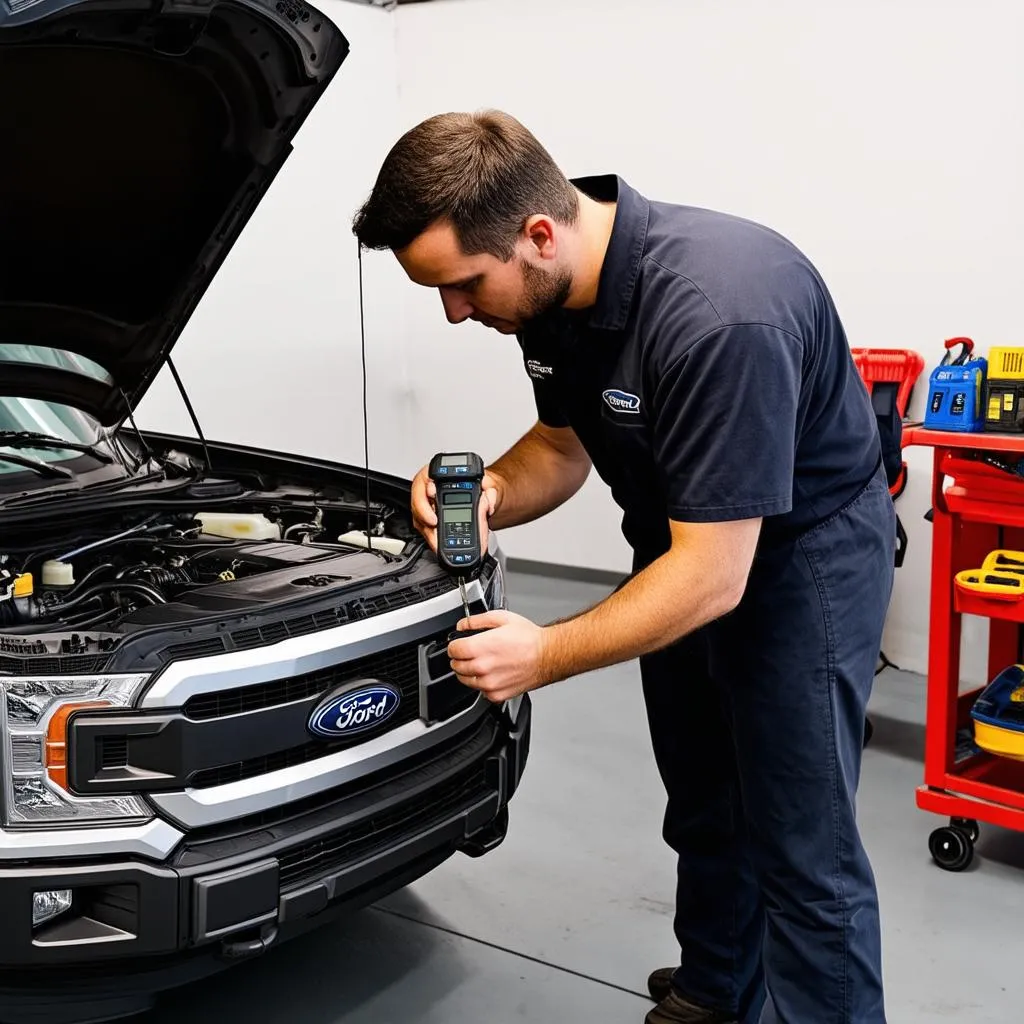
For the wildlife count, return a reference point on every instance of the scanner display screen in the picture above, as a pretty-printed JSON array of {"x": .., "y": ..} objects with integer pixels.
[
  {"x": 454, "y": 460},
  {"x": 458, "y": 515}
]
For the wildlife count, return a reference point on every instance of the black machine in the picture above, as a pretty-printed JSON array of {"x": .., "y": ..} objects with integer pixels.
[{"x": 459, "y": 481}]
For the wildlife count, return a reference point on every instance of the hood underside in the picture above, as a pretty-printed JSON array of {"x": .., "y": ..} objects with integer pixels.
[{"x": 138, "y": 138}]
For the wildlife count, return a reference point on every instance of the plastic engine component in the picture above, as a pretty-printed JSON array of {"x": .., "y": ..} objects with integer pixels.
[
  {"x": 240, "y": 525},
  {"x": 58, "y": 574},
  {"x": 392, "y": 545}
]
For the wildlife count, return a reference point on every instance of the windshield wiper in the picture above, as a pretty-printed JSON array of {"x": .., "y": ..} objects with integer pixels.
[
  {"x": 41, "y": 467},
  {"x": 31, "y": 439}
]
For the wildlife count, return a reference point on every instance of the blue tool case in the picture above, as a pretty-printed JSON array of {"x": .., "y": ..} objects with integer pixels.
[{"x": 955, "y": 390}]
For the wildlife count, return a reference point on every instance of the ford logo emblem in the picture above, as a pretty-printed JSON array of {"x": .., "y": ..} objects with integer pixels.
[
  {"x": 356, "y": 708},
  {"x": 622, "y": 401}
]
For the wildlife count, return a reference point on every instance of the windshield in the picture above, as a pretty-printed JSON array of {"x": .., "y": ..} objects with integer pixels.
[{"x": 36, "y": 416}]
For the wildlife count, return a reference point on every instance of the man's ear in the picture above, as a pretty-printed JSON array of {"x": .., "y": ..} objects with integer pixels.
[{"x": 539, "y": 231}]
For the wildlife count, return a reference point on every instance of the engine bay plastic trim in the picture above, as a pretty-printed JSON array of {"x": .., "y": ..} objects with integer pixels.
[{"x": 154, "y": 840}]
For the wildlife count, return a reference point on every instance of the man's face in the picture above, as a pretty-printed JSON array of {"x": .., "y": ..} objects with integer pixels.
[{"x": 503, "y": 296}]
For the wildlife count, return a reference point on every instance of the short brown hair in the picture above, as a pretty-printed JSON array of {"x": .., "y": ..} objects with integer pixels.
[{"x": 483, "y": 172}]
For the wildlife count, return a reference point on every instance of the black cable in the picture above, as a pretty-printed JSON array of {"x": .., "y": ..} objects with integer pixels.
[
  {"x": 85, "y": 621},
  {"x": 74, "y": 622},
  {"x": 366, "y": 416},
  {"x": 93, "y": 572},
  {"x": 133, "y": 587}
]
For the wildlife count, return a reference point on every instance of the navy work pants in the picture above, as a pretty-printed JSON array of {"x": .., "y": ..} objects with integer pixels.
[{"x": 757, "y": 722}]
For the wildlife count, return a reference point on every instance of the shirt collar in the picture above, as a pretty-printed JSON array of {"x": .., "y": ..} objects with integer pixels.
[{"x": 625, "y": 249}]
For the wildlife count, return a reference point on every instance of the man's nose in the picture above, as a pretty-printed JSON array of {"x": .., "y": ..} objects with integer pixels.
[{"x": 456, "y": 308}]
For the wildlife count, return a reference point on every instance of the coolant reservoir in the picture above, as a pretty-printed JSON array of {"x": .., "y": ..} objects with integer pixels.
[
  {"x": 58, "y": 574},
  {"x": 248, "y": 526}
]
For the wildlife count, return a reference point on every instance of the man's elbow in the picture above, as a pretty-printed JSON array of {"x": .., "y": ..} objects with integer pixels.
[
  {"x": 730, "y": 597},
  {"x": 731, "y": 585}
]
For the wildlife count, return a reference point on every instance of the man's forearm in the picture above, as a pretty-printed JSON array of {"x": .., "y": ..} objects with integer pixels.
[
  {"x": 672, "y": 597},
  {"x": 541, "y": 471}
]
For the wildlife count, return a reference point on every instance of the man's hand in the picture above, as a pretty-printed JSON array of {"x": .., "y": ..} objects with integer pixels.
[
  {"x": 702, "y": 577},
  {"x": 424, "y": 511},
  {"x": 505, "y": 661}
]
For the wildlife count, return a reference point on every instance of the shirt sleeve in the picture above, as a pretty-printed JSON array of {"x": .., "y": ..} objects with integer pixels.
[{"x": 724, "y": 424}]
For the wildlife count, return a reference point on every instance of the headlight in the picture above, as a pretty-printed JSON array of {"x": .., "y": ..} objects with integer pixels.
[
  {"x": 494, "y": 592},
  {"x": 34, "y": 716}
]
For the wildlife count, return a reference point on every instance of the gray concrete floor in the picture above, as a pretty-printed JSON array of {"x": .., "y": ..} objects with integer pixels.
[{"x": 565, "y": 920}]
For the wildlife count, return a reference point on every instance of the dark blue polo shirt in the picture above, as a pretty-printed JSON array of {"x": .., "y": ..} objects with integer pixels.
[{"x": 711, "y": 380}]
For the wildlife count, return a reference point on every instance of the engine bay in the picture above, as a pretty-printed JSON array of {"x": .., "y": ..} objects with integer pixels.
[{"x": 121, "y": 570}]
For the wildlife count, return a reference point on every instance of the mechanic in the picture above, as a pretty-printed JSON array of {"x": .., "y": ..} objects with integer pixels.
[{"x": 696, "y": 360}]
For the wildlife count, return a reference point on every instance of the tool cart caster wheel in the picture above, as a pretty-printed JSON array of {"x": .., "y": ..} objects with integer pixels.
[
  {"x": 968, "y": 826},
  {"x": 950, "y": 848}
]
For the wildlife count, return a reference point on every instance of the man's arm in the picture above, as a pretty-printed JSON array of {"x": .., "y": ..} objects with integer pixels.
[
  {"x": 541, "y": 471},
  {"x": 699, "y": 579}
]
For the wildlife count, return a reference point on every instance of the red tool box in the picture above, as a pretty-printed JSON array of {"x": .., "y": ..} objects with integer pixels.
[{"x": 977, "y": 508}]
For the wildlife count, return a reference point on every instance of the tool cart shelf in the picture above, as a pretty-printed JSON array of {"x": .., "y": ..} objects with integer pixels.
[{"x": 977, "y": 507}]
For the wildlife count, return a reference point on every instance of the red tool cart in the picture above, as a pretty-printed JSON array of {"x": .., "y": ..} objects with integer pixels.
[
  {"x": 977, "y": 507},
  {"x": 890, "y": 375}
]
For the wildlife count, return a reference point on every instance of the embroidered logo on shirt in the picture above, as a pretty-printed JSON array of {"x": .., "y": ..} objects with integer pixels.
[
  {"x": 621, "y": 401},
  {"x": 535, "y": 369}
]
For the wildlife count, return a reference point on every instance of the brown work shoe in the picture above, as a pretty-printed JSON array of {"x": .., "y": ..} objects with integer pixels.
[
  {"x": 659, "y": 984},
  {"x": 674, "y": 1009}
]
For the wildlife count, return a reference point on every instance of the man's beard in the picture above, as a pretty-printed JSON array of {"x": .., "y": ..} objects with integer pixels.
[{"x": 542, "y": 291}]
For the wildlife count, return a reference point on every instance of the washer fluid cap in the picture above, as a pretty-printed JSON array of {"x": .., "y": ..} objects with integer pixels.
[{"x": 58, "y": 574}]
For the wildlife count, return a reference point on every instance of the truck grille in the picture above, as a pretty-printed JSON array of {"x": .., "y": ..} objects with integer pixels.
[{"x": 399, "y": 665}]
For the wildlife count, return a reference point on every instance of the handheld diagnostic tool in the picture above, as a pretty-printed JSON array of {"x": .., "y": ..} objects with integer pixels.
[{"x": 459, "y": 481}]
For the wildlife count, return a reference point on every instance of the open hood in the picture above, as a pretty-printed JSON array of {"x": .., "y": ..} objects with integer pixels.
[{"x": 138, "y": 136}]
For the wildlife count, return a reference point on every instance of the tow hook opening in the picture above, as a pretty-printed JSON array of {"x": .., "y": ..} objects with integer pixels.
[
  {"x": 243, "y": 949},
  {"x": 488, "y": 838}
]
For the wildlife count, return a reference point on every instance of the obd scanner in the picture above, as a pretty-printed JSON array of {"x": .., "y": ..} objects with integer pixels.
[
  {"x": 458, "y": 478},
  {"x": 459, "y": 482}
]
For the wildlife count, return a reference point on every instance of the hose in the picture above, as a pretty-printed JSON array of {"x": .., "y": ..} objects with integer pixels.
[
  {"x": 92, "y": 573},
  {"x": 141, "y": 589},
  {"x": 311, "y": 529},
  {"x": 75, "y": 622},
  {"x": 159, "y": 576}
]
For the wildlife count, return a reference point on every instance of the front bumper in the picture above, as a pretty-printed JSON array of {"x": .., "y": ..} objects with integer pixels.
[{"x": 231, "y": 891}]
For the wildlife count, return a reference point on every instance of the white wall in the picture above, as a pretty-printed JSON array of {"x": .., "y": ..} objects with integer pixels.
[
  {"x": 882, "y": 137},
  {"x": 271, "y": 355}
]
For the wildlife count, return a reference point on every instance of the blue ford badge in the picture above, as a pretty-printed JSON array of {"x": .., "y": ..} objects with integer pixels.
[
  {"x": 621, "y": 401},
  {"x": 356, "y": 708}
]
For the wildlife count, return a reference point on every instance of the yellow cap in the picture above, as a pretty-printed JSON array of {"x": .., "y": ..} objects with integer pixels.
[{"x": 23, "y": 586}]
